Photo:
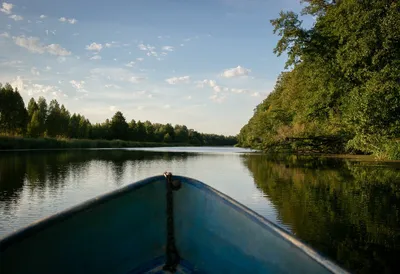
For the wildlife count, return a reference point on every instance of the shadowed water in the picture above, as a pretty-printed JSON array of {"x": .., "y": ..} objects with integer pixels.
[{"x": 348, "y": 210}]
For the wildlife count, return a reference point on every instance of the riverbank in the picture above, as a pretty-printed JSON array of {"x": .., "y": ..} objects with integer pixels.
[
  {"x": 335, "y": 147},
  {"x": 15, "y": 143}
]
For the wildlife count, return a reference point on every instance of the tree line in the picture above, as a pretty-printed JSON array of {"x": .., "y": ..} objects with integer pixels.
[
  {"x": 341, "y": 92},
  {"x": 41, "y": 119}
]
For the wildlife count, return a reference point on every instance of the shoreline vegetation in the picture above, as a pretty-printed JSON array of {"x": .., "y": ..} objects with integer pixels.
[
  {"x": 10, "y": 143},
  {"x": 340, "y": 92},
  {"x": 48, "y": 126}
]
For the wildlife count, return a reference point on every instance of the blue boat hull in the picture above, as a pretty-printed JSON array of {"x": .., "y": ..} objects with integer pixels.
[{"x": 129, "y": 231}]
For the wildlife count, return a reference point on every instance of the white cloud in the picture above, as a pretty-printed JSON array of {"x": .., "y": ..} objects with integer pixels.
[
  {"x": 136, "y": 79},
  {"x": 5, "y": 35},
  {"x": 140, "y": 59},
  {"x": 47, "y": 68},
  {"x": 6, "y": 8},
  {"x": 78, "y": 85},
  {"x": 189, "y": 97},
  {"x": 235, "y": 72},
  {"x": 150, "y": 49},
  {"x": 130, "y": 64},
  {"x": 72, "y": 21},
  {"x": 94, "y": 46},
  {"x": 112, "y": 44},
  {"x": 142, "y": 47},
  {"x": 42, "y": 16},
  {"x": 236, "y": 90},
  {"x": 18, "y": 83},
  {"x": 34, "y": 45},
  {"x": 217, "y": 88},
  {"x": 178, "y": 80},
  {"x": 13, "y": 63},
  {"x": 140, "y": 107},
  {"x": 36, "y": 89},
  {"x": 112, "y": 108},
  {"x": 218, "y": 98},
  {"x": 168, "y": 48},
  {"x": 56, "y": 49},
  {"x": 96, "y": 57},
  {"x": 112, "y": 86},
  {"x": 152, "y": 53},
  {"x": 255, "y": 94},
  {"x": 182, "y": 45},
  {"x": 206, "y": 82},
  {"x": 167, "y": 106},
  {"x": 16, "y": 17},
  {"x": 49, "y": 31},
  {"x": 68, "y": 20},
  {"x": 34, "y": 71}
]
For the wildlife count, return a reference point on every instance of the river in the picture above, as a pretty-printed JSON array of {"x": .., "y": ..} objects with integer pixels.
[{"x": 347, "y": 209}]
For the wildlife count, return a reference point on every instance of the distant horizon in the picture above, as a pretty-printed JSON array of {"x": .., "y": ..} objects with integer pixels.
[{"x": 206, "y": 66}]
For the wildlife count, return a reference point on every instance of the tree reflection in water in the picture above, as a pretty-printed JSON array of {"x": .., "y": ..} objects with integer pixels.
[{"x": 348, "y": 210}]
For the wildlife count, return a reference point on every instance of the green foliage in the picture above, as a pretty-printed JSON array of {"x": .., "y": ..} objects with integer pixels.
[
  {"x": 119, "y": 126},
  {"x": 32, "y": 107},
  {"x": 55, "y": 121},
  {"x": 34, "y": 125},
  {"x": 344, "y": 83},
  {"x": 42, "y": 104},
  {"x": 9, "y": 143},
  {"x": 13, "y": 114}
]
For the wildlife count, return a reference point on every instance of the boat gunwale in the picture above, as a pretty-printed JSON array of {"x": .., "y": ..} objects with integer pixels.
[
  {"x": 265, "y": 223},
  {"x": 69, "y": 212}
]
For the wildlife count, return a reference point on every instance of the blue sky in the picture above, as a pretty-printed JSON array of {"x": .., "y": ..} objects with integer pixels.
[{"x": 202, "y": 63}]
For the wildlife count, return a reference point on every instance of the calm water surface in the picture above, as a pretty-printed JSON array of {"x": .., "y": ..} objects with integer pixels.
[{"x": 348, "y": 210}]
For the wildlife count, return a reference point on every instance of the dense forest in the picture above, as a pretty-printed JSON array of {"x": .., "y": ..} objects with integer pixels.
[
  {"x": 340, "y": 91},
  {"x": 40, "y": 119}
]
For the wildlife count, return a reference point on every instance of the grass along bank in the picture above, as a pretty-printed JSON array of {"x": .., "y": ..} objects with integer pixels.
[{"x": 14, "y": 143}]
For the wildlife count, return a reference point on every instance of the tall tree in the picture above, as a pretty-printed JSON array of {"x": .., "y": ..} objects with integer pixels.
[
  {"x": 42, "y": 114},
  {"x": 32, "y": 107},
  {"x": 64, "y": 121},
  {"x": 119, "y": 126},
  {"x": 34, "y": 125},
  {"x": 13, "y": 114},
  {"x": 73, "y": 126},
  {"x": 140, "y": 131},
  {"x": 54, "y": 120}
]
